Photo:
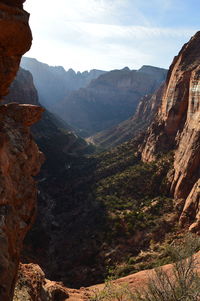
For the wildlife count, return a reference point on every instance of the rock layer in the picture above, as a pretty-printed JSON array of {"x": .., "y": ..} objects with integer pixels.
[{"x": 177, "y": 126}]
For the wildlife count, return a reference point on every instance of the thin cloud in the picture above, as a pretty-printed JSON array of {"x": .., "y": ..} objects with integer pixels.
[{"x": 106, "y": 34}]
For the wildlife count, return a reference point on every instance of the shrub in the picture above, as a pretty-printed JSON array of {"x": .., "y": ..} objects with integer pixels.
[
  {"x": 182, "y": 283},
  {"x": 112, "y": 292}
]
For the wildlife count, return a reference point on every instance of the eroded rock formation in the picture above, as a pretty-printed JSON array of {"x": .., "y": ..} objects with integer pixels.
[
  {"x": 20, "y": 161},
  {"x": 177, "y": 127},
  {"x": 15, "y": 40},
  {"x": 33, "y": 286},
  {"x": 20, "y": 158}
]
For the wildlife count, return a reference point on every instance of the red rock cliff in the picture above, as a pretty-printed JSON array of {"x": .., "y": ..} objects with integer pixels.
[
  {"x": 15, "y": 40},
  {"x": 177, "y": 127},
  {"x": 20, "y": 158}
]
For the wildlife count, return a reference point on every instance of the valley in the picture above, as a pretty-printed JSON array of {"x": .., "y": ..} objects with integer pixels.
[
  {"x": 102, "y": 101},
  {"x": 100, "y": 176},
  {"x": 122, "y": 196}
]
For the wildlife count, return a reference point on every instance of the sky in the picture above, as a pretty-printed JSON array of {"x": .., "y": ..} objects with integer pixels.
[{"x": 110, "y": 34}]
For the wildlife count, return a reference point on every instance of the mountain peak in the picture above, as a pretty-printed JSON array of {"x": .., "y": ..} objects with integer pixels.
[{"x": 126, "y": 69}]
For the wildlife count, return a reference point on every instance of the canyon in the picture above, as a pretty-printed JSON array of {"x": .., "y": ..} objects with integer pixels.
[
  {"x": 111, "y": 98},
  {"x": 100, "y": 214},
  {"x": 118, "y": 197},
  {"x": 53, "y": 83},
  {"x": 96, "y": 100}
]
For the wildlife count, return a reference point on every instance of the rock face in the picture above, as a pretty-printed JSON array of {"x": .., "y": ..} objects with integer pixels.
[
  {"x": 128, "y": 129},
  {"x": 54, "y": 83},
  {"x": 15, "y": 40},
  {"x": 20, "y": 161},
  {"x": 19, "y": 156},
  {"x": 33, "y": 286},
  {"x": 110, "y": 99},
  {"x": 177, "y": 127},
  {"x": 22, "y": 89}
]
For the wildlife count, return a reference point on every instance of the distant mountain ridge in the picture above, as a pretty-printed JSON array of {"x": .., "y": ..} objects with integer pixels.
[
  {"x": 53, "y": 83},
  {"x": 110, "y": 99},
  {"x": 93, "y": 101}
]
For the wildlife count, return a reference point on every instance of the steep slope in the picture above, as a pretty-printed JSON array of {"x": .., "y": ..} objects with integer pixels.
[
  {"x": 110, "y": 99},
  {"x": 20, "y": 158},
  {"x": 128, "y": 129},
  {"x": 177, "y": 127},
  {"x": 54, "y": 83},
  {"x": 103, "y": 204},
  {"x": 22, "y": 89}
]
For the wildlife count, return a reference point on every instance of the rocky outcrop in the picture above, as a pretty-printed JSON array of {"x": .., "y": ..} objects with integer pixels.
[
  {"x": 15, "y": 40},
  {"x": 20, "y": 161},
  {"x": 20, "y": 158},
  {"x": 177, "y": 127},
  {"x": 22, "y": 89},
  {"x": 191, "y": 210},
  {"x": 33, "y": 286}
]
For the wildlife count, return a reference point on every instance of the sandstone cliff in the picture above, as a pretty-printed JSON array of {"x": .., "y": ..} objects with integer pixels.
[
  {"x": 177, "y": 128},
  {"x": 19, "y": 156},
  {"x": 20, "y": 161},
  {"x": 15, "y": 40}
]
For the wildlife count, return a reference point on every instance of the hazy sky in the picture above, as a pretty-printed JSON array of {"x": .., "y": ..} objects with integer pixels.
[{"x": 110, "y": 34}]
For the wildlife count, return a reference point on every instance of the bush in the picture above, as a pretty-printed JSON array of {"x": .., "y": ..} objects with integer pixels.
[
  {"x": 182, "y": 283},
  {"x": 112, "y": 292}
]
